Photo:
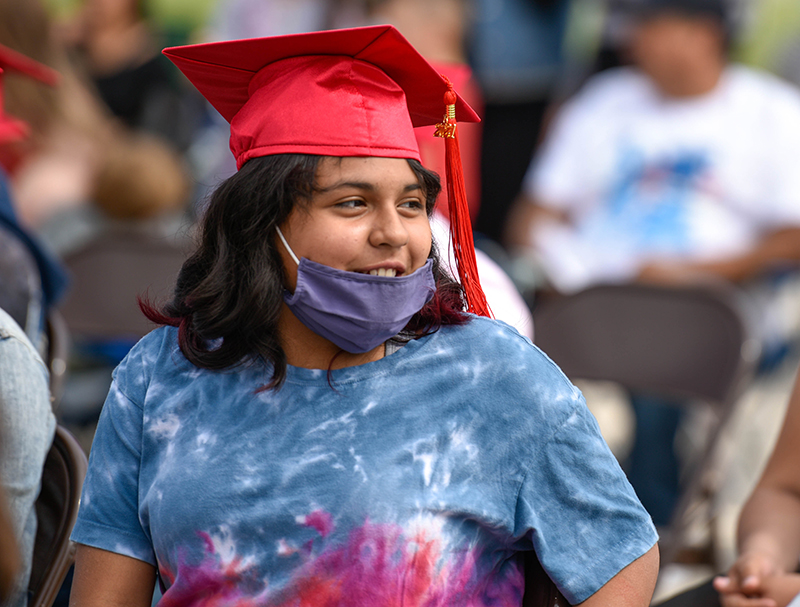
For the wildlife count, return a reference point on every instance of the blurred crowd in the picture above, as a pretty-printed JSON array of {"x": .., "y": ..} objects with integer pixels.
[{"x": 622, "y": 140}]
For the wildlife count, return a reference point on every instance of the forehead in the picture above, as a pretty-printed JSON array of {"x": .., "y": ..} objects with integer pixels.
[
  {"x": 671, "y": 18},
  {"x": 369, "y": 169}
]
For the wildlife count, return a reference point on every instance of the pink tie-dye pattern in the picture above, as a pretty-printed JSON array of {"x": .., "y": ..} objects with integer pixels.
[
  {"x": 212, "y": 583},
  {"x": 377, "y": 566},
  {"x": 321, "y": 521}
]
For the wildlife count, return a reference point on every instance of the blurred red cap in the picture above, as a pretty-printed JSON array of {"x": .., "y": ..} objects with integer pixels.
[
  {"x": 12, "y": 129},
  {"x": 11, "y": 60},
  {"x": 353, "y": 92}
]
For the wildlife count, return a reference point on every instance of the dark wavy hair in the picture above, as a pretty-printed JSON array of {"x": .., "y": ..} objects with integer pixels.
[{"x": 229, "y": 293}]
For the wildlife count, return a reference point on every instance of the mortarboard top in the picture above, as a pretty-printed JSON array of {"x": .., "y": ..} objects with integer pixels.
[{"x": 353, "y": 92}]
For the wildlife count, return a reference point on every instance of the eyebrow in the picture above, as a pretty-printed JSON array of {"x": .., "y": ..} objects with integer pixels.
[{"x": 369, "y": 187}]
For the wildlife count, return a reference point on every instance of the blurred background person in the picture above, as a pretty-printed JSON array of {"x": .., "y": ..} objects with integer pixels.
[
  {"x": 73, "y": 135},
  {"x": 53, "y": 170},
  {"x": 119, "y": 49},
  {"x": 32, "y": 279},
  {"x": 681, "y": 168},
  {"x": 769, "y": 528},
  {"x": 765, "y": 572}
]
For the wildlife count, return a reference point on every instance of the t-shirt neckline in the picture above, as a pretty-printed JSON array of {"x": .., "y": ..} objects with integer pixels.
[{"x": 382, "y": 366}]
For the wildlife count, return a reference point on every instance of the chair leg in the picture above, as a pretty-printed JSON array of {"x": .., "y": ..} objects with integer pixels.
[{"x": 696, "y": 491}]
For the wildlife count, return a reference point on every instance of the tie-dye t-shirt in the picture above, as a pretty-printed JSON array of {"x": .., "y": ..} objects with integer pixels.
[{"x": 413, "y": 480}]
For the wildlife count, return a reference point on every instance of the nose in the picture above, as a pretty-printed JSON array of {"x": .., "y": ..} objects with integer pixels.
[{"x": 389, "y": 229}]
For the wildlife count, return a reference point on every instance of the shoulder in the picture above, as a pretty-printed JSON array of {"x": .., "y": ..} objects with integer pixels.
[
  {"x": 602, "y": 103},
  {"x": 614, "y": 87},
  {"x": 13, "y": 338},
  {"x": 156, "y": 353},
  {"x": 489, "y": 358},
  {"x": 26, "y": 417},
  {"x": 752, "y": 85},
  {"x": 481, "y": 337}
]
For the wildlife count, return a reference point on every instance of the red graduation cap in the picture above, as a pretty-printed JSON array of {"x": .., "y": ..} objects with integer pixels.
[
  {"x": 352, "y": 92},
  {"x": 12, "y": 129}
]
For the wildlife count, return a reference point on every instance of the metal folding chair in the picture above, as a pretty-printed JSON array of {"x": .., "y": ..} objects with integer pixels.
[
  {"x": 56, "y": 512},
  {"x": 691, "y": 344},
  {"x": 101, "y": 311},
  {"x": 110, "y": 272}
]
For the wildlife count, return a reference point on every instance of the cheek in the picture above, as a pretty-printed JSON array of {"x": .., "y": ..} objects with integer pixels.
[
  {"x": 289, "y": 268},
  {"x": 421, "y": 243},
  {"x": 336, "y": 246}
]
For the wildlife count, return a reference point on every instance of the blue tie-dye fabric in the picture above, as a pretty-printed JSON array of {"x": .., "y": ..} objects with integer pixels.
[{"x": 413, "y": 480}]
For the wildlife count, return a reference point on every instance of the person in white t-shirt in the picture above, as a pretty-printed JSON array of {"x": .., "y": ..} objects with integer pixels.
[
  {"x": 678, "y": 165},
  {"x": 681, "y": 168}
]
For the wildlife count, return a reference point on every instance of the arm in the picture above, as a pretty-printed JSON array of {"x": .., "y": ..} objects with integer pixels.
[
  {"x": 769, "y": 525},
  {"x": 525, "y": 214},
  {"x": 106, "y": 579},
  {"x": 631, "y": 587},
  {"x": 774, "y": 250}
]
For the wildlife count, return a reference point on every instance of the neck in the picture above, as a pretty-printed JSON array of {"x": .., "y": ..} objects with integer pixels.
[
  {"x": 307, "y": 350},
  {"x": 701, "y": 80}
]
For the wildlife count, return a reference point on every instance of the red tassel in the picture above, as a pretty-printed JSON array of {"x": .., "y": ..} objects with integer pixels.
[{"x": 460, "y": 225}]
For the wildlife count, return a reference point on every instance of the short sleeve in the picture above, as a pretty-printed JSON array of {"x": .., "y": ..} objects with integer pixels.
[
  {"x": 109, "y": 512},
  {"x": 584, "y": 518}
]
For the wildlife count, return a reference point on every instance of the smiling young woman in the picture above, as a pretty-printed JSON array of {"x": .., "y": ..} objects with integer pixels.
[
  {"x": 320, "y": 422},
  {"x": 368, "y": 216}
]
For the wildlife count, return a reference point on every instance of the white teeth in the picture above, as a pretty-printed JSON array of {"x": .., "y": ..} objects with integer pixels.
[{"x": 383, "y": 272}]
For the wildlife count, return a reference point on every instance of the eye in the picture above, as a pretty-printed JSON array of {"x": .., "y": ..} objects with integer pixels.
[
  {"x": 353, "y": 203},
  {"x": 413, "y": 203}
]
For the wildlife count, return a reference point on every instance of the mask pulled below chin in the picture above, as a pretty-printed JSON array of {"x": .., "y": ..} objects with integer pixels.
[{"x": 357, "y": 312}]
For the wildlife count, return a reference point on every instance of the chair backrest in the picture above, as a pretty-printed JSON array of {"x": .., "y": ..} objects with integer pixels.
[
  {"x": 56, "y": 512},
  {"x": 691, "y": 345},
  {"x": 110, "y": 272},
  {"x": 676, "y": 342}
]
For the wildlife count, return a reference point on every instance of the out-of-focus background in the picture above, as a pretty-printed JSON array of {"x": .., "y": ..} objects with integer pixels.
[{"x": 623, "y": 142}]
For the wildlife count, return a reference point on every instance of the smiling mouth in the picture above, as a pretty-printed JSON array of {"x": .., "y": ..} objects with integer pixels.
[{"x": 383, "y": 272}]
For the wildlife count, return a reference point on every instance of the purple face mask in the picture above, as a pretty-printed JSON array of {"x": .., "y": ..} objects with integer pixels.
[{"x": 357, "y": 312}]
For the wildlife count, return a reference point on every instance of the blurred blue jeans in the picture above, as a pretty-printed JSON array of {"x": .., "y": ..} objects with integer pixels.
[
  {"x": 27, "y": 426},
  {"x": 653, "y": 468}
]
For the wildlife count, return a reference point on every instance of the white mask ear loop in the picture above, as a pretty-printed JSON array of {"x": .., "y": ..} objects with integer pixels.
[{"x": 286, "y": 244}]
